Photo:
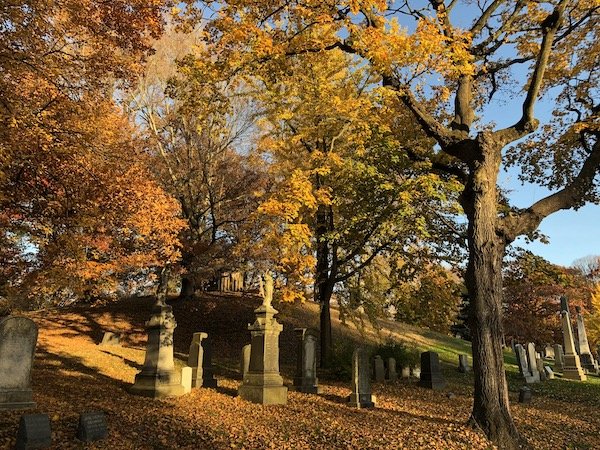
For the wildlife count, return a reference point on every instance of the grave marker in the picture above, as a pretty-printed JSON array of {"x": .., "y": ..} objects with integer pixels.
[
  {"x": 305, "y": 379},
  {"x": 34, "y": 432},
  {"x": 392, "y": 375},
  {"x": 378, "y": 369},
  {"x": 92, "y": 426},
  {"x": 431, "y": 372},
  {"x": 361, "y": 396}
]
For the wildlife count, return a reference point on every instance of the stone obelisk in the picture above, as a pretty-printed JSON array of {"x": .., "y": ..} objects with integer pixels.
[
  {"x": 572, "y": 366},
  {"x": 585, "y": 354},
  {"x": 263, "y": 383}
]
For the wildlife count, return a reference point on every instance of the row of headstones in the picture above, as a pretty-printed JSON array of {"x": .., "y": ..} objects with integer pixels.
[
  {"x": 531, "y": 364},
  {"x": 35, "y": 430}
]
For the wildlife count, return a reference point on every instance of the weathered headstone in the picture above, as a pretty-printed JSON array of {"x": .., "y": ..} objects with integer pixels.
[
  {"x": 572, "y": 367},
  {"x": 524, "y": 395},
  {"x": 392, "y": 375},
  {"x": 540, "y": 368},
  {"x": 549, "y": 352},
  {"x": 92, "y": 426},
  {"x": 262, "y": 383},
  {"x": 18, "y": 338},
  {"x": 186, "y": 379},
  {"x": 34, "y": 432},
  {"x": 405, "y": 372},
  {"x": 158, "y": 377},
  {"x": 200, "y": 360},
  {"x": 585, "y": 354},
  {"x": 111, "y": 338},
  {"x": 463, "y": 364},
  {"x": 378, "y": 369},
  {"x": 431, "y": 372},
  {"x": 361, "y": 396},
  {"x": 534, "y": 374},
  {"x": 522, "y": 360},
  {"x": 549, "y": 373},
  {"x": 559, "y": 358},
  {"x": 306, "y": 361},
  {"x": 245, "y": 359},
  {"x": 415, "y": 372}
]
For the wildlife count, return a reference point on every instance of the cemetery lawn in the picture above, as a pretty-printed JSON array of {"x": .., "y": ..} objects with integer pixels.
[{"x": 72, "y": 375}]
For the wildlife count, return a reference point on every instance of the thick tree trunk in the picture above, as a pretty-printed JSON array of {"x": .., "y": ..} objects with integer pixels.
[
  {"x": 188, "y": 289},
  {"x": 325, "y": 329},
  {"x": 491, "y": 410}
]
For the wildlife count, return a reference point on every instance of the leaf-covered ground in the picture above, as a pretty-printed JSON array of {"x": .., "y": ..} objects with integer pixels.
[{"x": 72, "y": 375}]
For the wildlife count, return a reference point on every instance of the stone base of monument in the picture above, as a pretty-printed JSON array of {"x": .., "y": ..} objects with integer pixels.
[
  {"x": 572, "y": 369},
  {"x": 588, "y": 363},
  {"x": 157, "y": 384},
  {"x": 16, "y": 399},
  {"x": 257, "y": 389},
  {"x": 306, "y": 388},
  {"x": 362, "y": 400}
]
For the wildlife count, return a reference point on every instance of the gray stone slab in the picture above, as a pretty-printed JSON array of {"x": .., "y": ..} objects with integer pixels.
[
  {"x": 92, "y": 426},
  {"x": 431, "y": 372},
  {"x": 34, "y": 432}
]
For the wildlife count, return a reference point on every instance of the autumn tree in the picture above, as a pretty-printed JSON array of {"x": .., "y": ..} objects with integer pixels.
[
  {"x": 361, "y": 198},
  {"x": 445, "y": 62},
  {"x": 532, "y": 291},
  {"x": 74, "y": 199},
  {"x": 197, "y": 130}
]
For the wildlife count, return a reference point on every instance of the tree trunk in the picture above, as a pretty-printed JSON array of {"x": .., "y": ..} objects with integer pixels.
[
  {"x": 188, "y": 288},
  {"x": 491, "y": 410},
  {"x": 325, "y": 326}
]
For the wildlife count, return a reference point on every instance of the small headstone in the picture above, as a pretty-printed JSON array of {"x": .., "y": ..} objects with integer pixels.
[
  {"x": 540, "y": 367},
  {"x": 549, "y": 352},
  {"x": 200, "y": 360},
  {"x": 524, "y": 395},
  {"x": 549, "y": 373},
  {"x": 245, "y": 359},
  {"x": 306, "y": 361},
  {"x": 451, "y": 395},
  {"x": 186, "y": 379},
  {"x": 415, "y": 372},
  {"x": 534, "y": 374},
  {"x": 361, "y": 396},
  {"x": 559, "y": 358},
  {"x": 522, "y": 360},
  {"x": 92, "y": 426},
  {"x": 392, "y": 375},
  {"x": 378, "y": 369},
  {"x": 18, "y": 338},
  {"x": 431, "y": 372},
  {"x": 111, "y": 338},
  {"x": 34, "y": 432},
  {"x": 405, "y": 372},
  {"x": 463, "y": 364}
]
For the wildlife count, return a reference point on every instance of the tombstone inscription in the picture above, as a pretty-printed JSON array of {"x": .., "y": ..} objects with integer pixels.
[{"x": 92, "y": 426}]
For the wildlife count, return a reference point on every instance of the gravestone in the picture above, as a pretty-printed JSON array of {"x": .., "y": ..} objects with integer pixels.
[
  {"x": 200, "y": 360},
  {"x": 361, "y": 396},
  {"x": 540, "y": 368},
  {"x": 463, "y": 364},
  {"x": 262, "y": 383},
  {"x": 92, "y": 426},
  {"x": 186, "y": 379},
  {"x": 522, "y": 360},
  {"x": 392, "y": 375},
  {"x": 572, "y": 367},
  {"x": 405, "y": 372},
  {"x": 111, "y": 338},
  {"x": 524, "y": 395},
  {"x": 549, "y": 373},
  {"x": 34, "y": 432},
  {"x": 158, "y": 377},
  {"x": 549, "y": 352},
  {"x": 305, "y": 379},
  {"x": 534, "y": 373},
  {"x": 559, "y": 358},
  {"x": 431, "y": 372},
  {"x": 585, "y": 354},
  {"x": 18, "y": 338},
  {"x": 245, "y": 359},
  {"x": 378, "y": 369},
  {"x": 415, "y": 372}
]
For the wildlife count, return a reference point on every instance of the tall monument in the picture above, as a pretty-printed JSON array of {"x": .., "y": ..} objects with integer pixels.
[
  {"x": 585, "y": 354},
  {"x": 263, "y": 383},
  {"x": 572, "y": 366}
]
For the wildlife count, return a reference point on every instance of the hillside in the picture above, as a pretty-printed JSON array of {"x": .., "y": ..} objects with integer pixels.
[{"x": 72, "y": 374}]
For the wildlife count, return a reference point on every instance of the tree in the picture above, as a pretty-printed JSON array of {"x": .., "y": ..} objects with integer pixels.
[
  {"x": 363, "y": 198},
  {"x": 196, "y": 125},
  {"x": 557, "y": 43},
  {"x": 67, "y": 162},
  {"x": 589, "y": 266},
  {"x": 532, "y": 291}
]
